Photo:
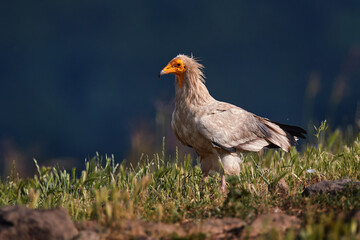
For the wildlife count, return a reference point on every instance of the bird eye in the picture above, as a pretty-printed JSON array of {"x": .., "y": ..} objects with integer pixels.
[{"x": 178, "y": 64}]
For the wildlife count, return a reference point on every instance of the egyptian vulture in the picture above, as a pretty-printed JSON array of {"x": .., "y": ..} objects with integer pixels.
[{"x": 219, "y": 131}]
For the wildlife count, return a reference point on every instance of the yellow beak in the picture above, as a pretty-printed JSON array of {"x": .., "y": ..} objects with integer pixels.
[{"x": 170, "y": 68}]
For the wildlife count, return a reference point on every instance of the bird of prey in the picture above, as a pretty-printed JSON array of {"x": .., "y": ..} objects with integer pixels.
[{"x": 219, "y": 131}]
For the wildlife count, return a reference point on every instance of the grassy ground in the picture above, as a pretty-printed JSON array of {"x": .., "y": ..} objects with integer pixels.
[{"x": 166, "y": 189}]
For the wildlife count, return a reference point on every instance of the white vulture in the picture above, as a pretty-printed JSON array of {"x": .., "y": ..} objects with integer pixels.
[{"x": 219, "y": 131}]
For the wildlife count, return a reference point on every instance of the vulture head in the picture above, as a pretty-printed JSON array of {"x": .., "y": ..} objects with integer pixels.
[{"x": 181, "y": 66}]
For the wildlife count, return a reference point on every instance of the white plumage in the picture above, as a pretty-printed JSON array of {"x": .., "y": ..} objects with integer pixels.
[{"x": 219, "y": 131}]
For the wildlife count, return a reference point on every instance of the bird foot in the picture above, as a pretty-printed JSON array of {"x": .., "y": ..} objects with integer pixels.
[{"x": 205, "y": 177}]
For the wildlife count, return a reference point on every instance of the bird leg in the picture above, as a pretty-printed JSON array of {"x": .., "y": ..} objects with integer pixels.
[
  {"x": 222, "y": 173},
  {"x": 223, "y": 183},
  {"x": 260, "y": 154}
]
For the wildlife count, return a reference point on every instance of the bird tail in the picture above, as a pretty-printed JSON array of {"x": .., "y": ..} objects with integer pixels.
[
  {"x": 281, "y": 135},
  {"x": 295, "y": 131}
]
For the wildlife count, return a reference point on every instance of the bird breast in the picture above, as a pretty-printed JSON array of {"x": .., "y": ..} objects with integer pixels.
[{"x": 184, "y": 124}]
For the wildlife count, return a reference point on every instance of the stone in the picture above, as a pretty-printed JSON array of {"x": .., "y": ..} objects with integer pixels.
[
  {"x": 216, "y": 228},
  {"x": 20, "y": 222},
  {"x": 213, "y": 228},
  {"x": 266, "y": 223},
  {"x": 332, "y": 187},
  {"x": 87, "y": 235},
  {"x": 89, "y": 230},
  {"x": 281, "y": 187}
]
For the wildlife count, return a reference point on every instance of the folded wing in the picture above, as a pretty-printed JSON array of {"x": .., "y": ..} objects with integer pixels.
[{"x": 234, "y": 129}]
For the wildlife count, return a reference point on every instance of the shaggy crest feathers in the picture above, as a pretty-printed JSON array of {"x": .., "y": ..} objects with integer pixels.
[{"x": 194, "y": 68}]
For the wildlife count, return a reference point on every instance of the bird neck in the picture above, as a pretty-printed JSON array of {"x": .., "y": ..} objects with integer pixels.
[{"x": 193, "y": 90}]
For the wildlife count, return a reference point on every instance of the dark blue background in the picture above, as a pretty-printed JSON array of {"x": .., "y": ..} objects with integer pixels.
[{"x": 81, "y": 76}]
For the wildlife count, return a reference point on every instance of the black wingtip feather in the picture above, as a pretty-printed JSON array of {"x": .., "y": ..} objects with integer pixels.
[{"x": 293, "y": 130}]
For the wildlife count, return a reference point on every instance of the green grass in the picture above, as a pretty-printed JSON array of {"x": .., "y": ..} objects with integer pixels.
[{"x": 168, "y": 189}]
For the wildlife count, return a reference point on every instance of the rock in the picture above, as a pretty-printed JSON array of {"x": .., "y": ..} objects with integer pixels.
[
  {"x": 89, "y": 230},
  {"x": 159, "y": 230},
  {"x": 266, "y": 223},
  {"x": 87, "y": 235},
  {"x": 214, "y": 228},
  {"x": 20, "y": 222},
  {"x": 217, "y": 228},
  {"x": 332, "y": 187},
  {"x": 134, "y": 228},
  {"x": 89, "y": 226},
  {"x": 281, "y": 187}
]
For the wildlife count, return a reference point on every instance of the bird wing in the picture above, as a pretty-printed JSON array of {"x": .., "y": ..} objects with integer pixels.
[{"x": 234, "y": 129}]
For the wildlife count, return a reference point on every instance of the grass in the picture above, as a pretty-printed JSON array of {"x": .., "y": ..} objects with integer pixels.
[{"x": 167, "y": 189}]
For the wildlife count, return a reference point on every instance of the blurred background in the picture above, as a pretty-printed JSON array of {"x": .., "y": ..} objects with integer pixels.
[{"x": 80, "y": 77}]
